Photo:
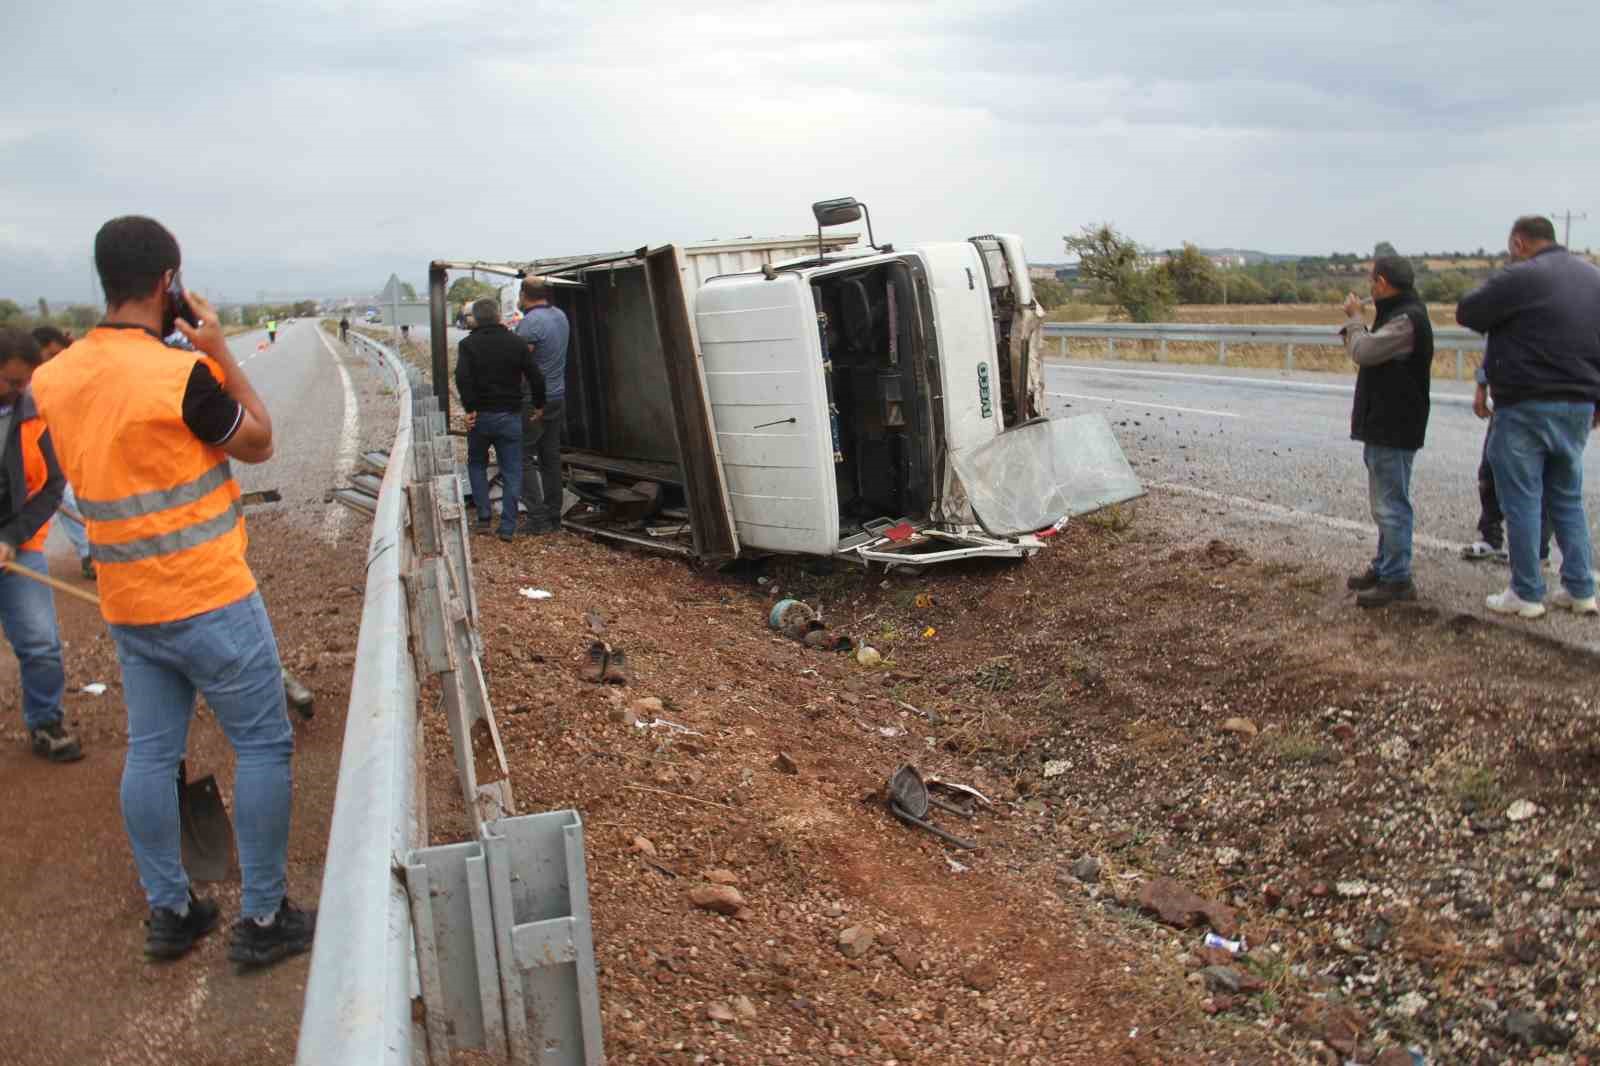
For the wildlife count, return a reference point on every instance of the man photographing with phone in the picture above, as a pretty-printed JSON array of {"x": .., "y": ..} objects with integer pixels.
[{"x": 144, "y": 432}]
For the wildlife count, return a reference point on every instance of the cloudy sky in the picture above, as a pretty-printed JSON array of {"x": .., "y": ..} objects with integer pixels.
[{"x": 306, "y": 148}]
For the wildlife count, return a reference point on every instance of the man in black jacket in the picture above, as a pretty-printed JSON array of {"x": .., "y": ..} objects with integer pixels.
[
  {"x": 1542, "y": 372},
  {"x": 491, "y": 365},
  {"x": 1390, "y": 418}
]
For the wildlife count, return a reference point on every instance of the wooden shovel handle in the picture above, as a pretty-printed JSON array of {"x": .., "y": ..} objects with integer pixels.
[{"x": 45, "y": 579}]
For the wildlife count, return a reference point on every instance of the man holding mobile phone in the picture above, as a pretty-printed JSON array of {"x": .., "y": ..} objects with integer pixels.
[{"x": 145, "y": 433}]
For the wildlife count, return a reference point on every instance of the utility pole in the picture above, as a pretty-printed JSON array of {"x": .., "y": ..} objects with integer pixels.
[{"x": 1567, "y": 216}]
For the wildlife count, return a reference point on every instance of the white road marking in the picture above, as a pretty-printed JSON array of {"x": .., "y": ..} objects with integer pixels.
[
  {"x": 1144, "y": 403},
  {"x": 333, "y": 519},
  {"x": 1221, "y": 379},
  {"x": 1279, "y": 511}
]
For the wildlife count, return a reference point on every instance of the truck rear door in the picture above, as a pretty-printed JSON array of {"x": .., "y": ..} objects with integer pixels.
[{"x": 704, "y": 483}]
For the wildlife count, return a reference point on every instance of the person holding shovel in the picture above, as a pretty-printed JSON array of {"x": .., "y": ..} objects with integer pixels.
[
  {"x": 30, "y": 492},
  {"x": 145, "y": 432}
]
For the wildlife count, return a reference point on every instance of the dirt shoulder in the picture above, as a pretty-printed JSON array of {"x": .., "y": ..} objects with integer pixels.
[{"x": 1354, "y": 818}]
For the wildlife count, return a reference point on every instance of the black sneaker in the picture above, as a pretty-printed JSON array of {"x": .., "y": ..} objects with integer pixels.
[
  {"x": 485, "y": 525},
  {"x": 289, "y": 933},
  {"x": 1367, "y": 579},
  {"x": 1386, "y": 592},
  {"x": 507, "y": 537},
  {"x": 54, "y": 743},
  {"x": 86, "y": 567},
  {"x": 169, "y": 935}
]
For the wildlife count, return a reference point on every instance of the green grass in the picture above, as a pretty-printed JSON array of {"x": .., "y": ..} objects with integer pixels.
[
  {"x": 1479, "y": 785},
  {"x": 1297, "y": 747}
]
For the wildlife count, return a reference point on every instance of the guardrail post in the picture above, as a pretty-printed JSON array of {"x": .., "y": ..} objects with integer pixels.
[
  {"x": 1111, "y": 347},
  {"x": 1288, "y": 358},
  {"x": 1222, "y": 353},
  {"x": 1061, "y": 345},
  {"x": 1461, "y": 366},
  {"x": 1161, "y": 355}
]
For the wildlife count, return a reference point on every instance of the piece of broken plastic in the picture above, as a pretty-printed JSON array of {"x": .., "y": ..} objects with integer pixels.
[
  {"x": 1028, "y": 477},
  {"x": 534, "y": 594},
  {"x": 956, "y": 786},
  {"x": 94, "y": 689}
]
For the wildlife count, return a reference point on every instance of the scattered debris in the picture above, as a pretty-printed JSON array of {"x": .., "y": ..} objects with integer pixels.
[
  {"x": 94, "y": 688},
  {"x": 1086, "y": 869},
  {"x": 784, "y": 763},
  {"x": 1179, "y": 907},
  {"x": 616, "y": 671},
  {"x": 719, "y": 1011},
  {"x": 644, "y": 847},
  {"x": 1242, "y": 726},
  {"x": 299, "y": 697},
  {"x": 1521, "y": 811},
  {"x": 867, "y": 655},
  {"x": 855, "y": 941},
  {"x": 1232, "y": 947},
  {"x": 1056, "y": 767},
  {"x": 909, "y": 801},
  {"x": 534, "y": 594},
  {"x": 724, "y": 899}
]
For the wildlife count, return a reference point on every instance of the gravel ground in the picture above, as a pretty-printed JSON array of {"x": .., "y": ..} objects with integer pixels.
[{"x": 1393, "y": 810}]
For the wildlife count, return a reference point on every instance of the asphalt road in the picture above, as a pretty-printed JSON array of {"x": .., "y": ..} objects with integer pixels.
[
  {"x": 70, "y": 905},
  {"x": 1265, "y": 457}
]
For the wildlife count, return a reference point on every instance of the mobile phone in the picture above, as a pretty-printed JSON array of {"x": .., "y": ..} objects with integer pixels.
[{"x": 178, "y": 304}]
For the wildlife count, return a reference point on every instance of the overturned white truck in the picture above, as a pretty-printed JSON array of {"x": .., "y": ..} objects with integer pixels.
[{"x": 874, "y": 403}]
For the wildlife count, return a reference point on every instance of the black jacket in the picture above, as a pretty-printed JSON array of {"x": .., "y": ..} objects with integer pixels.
[
  {"x": 491, "y": 365},
  {"x": 1391, "y": 403},
  {"x": 21, "y": 515},
  {"x": 1542, "y": 316}
]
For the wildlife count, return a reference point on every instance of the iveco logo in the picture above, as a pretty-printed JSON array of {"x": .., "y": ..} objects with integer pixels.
[{"x": 983, "y": 390}]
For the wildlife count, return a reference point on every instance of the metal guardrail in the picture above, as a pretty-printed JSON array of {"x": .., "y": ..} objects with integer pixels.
[
  {"x": 1289, "y": 338},
  {"x": 358, "y": 996}
]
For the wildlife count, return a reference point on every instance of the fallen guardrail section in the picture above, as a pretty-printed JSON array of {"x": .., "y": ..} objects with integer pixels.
[
  {"x": 420, "y": 950},
  {"x": 1288, "y": 338}
]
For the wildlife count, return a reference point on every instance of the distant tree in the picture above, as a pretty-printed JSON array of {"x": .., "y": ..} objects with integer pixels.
[
  {"x": 1245, "y": 289},
  {"x": 1193, "y": 276},
  {"x": 9, "y": 310},
  {"x": 305, "y": 308},
  {"x": 1284, "y": 290},
  {"x": 407, "y": 292},
  {"x": 1446, "y": 288},
  {"x": 1051, "y": 293},
  {"x": 1307, "y": 293},
  {"x": 82, "y": 316},
  {"x": 1110, "y": 262},
  {"x": 252, "y": 314},
  {"x": 44, "y": 309},
  {"x": 466, "y": 290},
  {"x": 1383, "y": 248}
]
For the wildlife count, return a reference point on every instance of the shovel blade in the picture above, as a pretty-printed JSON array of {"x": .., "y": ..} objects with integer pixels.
[{"x": 207, "y": 832}]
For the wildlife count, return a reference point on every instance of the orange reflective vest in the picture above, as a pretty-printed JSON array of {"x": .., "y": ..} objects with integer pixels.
[
  {"x": 35, "y": 471},
  {"x": 166, "y": 530}
]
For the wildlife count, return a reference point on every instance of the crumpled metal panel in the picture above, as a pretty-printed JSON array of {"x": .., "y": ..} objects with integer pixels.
[{"x": 1028, "y": 478}]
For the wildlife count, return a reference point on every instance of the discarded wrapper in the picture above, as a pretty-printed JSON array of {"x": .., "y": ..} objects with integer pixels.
[
  {"x": 534, "y": 594},
  {"x": 95, "y": 689},
  {"x": 1232, "y": 947}
]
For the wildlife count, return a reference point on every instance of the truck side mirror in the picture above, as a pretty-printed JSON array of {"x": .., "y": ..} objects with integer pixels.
[{"x": 837, "y": 212}]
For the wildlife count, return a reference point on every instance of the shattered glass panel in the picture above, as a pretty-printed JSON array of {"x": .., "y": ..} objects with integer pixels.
[{"x": 1028, "y": 478}]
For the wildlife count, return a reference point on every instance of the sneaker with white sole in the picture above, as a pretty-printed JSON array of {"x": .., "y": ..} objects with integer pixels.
[
  {"x": 1508, "y": 602},
  {"x": 1478, "y": 551},
  {"x": 1566, "y": 601}
]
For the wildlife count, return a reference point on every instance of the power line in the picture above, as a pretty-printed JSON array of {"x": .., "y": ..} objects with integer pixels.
[{"x": 1567, "y": 216}]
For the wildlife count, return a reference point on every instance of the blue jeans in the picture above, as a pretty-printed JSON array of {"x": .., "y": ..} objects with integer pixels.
[
  {"x": 1536, "y": 449},
  {"x": 71, "y": 526},
  {"x": 230, "y": 657},
  {"x": 503, "y": 430},
  {"x": 28, "y": 615},
  {"x": 1389, "y": 491}
]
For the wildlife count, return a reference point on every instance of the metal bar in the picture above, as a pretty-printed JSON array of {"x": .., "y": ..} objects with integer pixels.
[
  {"x": 1461, "y": 366},
  {"x": 1288, "y": 358},
  {"x": 358, "y": 994},
  {"x": 439, "y": 339}
]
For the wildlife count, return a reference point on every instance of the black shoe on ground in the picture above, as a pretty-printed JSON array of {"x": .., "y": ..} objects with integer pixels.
[
  {"x": 507, "y": 537},
  {"x": 54, "y": 743},
  {"x": 169, "y": 935},
  {"x": 1386, "y": 592},
  {"x": 483, "y": 526},
  {"x": 1367, "y": 579},
  {"x": 289, "y": 933},
  {"x": 537, "y": 528},
  {"x": 86, "y": 567}
]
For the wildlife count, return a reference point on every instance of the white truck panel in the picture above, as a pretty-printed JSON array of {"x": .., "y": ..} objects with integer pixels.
[
  {"x": 965, "y": 327},
  {"x": 761, "y": 357}
]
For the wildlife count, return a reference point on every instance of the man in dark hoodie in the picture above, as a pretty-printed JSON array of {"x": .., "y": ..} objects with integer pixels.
[
  {"x": 30, "y": 491},
  {"x": 1541, "y": 371},
  {"x": 1390, "y": 418},
  {"x": 492, "y": 365}
]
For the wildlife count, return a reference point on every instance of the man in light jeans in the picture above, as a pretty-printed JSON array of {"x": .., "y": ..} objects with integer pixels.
[
  {"x": 547, "y": 331},
  {"x": 1542, "y": 374}
]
